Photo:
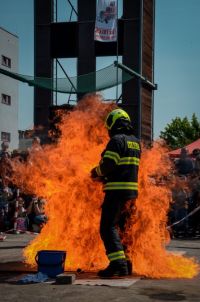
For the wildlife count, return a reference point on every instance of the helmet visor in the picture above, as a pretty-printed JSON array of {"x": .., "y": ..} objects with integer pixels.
[
  {"x": 114, "y": 116},
  {"x": 109, "y": 121}
]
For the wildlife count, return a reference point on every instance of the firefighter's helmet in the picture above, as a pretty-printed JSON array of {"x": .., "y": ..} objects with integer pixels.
[{"x": 115, "y": 115}]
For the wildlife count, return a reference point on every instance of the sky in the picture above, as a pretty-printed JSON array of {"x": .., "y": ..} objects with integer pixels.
[{"x": 177, "y": 61}]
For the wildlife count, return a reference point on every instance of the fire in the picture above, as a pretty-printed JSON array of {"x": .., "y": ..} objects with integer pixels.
[
  {"x": 146, "y": 233},
  {"x": 61, "y": 174}
]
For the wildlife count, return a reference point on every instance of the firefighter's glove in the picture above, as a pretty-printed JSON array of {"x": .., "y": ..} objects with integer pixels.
[{"x": 93, "y": 173}]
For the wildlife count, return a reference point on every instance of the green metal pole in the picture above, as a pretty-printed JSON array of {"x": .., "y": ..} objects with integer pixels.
[{"x": 136, "y": 74}]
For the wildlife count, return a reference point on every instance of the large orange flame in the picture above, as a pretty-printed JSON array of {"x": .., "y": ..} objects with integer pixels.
[{"x": 61, "y": 174}]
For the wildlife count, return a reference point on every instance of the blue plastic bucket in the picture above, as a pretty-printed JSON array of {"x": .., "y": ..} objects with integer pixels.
[{"x": 50, "y": 263}]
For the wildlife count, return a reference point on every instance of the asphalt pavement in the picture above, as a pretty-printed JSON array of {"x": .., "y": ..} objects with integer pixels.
[{"x": 142, "y": 289}]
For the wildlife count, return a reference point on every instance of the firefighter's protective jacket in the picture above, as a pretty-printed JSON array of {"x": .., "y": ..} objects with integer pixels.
[{"x": 119, "y": 165}]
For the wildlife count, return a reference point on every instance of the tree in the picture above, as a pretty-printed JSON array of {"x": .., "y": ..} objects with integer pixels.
[{"x": 181, "y": 132}]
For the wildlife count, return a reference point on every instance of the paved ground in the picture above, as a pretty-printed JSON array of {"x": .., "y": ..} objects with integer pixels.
[{"x": 143, "y": 290}]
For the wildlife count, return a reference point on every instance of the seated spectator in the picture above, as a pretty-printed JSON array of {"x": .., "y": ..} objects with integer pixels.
[
  {"x": 185, "y": 164},
  {"x": 36, "y": 213},
  {"x": 22, "y": 218}
]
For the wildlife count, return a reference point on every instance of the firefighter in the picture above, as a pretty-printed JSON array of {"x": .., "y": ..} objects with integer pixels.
[{"x": 119, "y": 170}]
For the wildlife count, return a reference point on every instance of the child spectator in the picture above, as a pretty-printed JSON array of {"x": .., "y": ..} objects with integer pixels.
[{"x": 22, "y": 219}]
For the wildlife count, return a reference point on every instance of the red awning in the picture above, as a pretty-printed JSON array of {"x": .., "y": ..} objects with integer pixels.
[{"x": 190, "y": 148}]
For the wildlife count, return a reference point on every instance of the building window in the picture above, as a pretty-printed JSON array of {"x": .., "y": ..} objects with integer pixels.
[
  {"x": 5, "y": 136},
  {"x": 6, "y": 99},
  {"x": 5, "y": 61}
]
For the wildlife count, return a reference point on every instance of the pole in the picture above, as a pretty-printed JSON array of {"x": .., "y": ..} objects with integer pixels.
[
  {"x": 136, "y": 74},
  {"x": 72, "y": 7},
  {"x": 73, "y": 87},
  {"x": 117, "y": 55}
]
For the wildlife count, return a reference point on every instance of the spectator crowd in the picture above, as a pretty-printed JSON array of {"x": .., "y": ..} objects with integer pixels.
[
  {"x": 19, "y": 212},
  {"x": 185, "y": 193}
]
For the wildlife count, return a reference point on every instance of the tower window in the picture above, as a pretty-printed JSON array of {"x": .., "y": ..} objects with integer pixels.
[
  {"x": 5, "y": 61},
  {"x": 6, "y": 99}
]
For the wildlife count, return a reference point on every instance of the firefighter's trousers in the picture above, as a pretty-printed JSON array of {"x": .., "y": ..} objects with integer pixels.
[{"x": 113, "y": 215}]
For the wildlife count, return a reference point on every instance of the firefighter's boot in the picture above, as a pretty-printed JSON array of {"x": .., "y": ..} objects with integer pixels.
[{"x": 115, "y": 268}]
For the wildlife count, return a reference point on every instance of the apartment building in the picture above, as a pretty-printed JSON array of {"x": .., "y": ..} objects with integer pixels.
[{"x": 9, "y": 49}]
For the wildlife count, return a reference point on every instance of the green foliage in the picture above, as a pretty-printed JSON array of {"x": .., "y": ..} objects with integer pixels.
[{"x": 181, "y": 132}]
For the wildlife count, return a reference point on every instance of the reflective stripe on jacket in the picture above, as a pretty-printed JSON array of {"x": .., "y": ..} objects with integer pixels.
[{"x": 119, "y": 164}]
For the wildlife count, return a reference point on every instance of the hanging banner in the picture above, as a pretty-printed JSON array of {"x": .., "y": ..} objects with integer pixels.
[{"x": 106, "y": 21}]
